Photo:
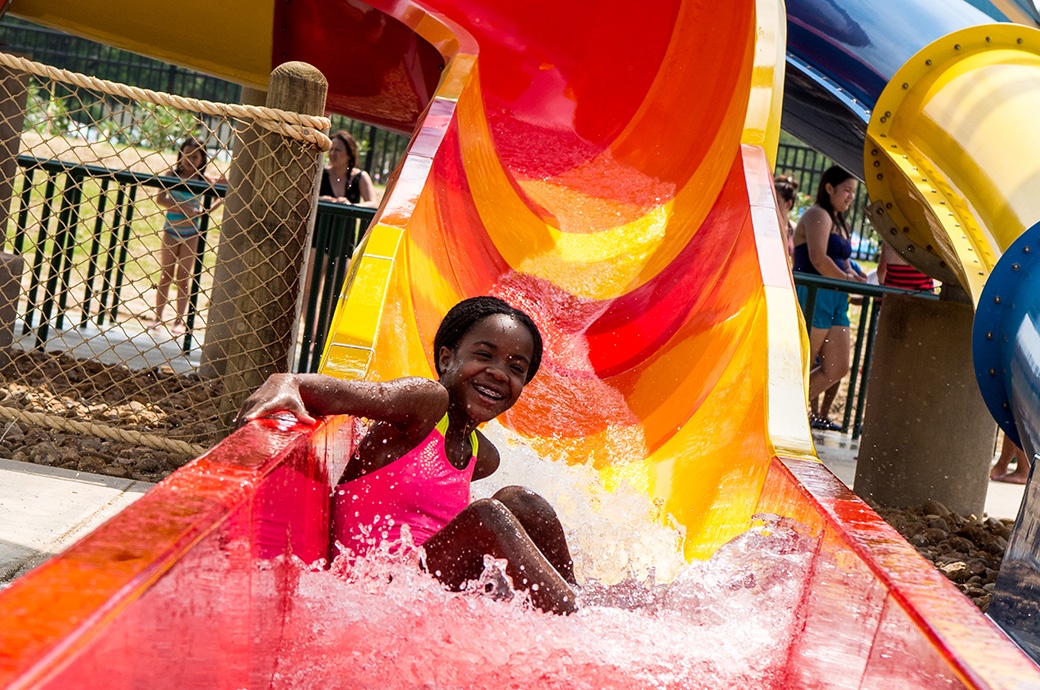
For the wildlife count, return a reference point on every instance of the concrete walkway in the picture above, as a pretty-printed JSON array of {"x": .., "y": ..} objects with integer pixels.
[
  {"x": 43, "y": 510},
  {"x": 838, "y": 452}
]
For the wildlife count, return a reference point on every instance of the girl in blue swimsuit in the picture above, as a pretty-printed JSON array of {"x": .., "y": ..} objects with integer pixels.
[
  {"x": 180, "y": 236},
  {"x": 822, "y": 247}
]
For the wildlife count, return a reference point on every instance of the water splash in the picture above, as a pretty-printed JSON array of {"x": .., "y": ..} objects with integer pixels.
[
  {"x": 614, "y": 534},
  {"x": 380, "y": 622}
]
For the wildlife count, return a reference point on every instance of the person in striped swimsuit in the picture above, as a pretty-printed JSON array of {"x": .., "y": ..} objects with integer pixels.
[
  {"x": 180, "y": 234},
  {"x": 894, "y": 271}
]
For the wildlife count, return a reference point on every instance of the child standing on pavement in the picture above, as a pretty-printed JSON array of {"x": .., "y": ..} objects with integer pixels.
[{"x": 180, "y": 235}]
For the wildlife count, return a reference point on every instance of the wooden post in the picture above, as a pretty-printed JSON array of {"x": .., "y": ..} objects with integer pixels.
[
  {"x": 926, "y": 434},
  {"x": 14, "y": 91},
  {"x": 233, "y": 243},
  {"x": 279, "y": 211}
]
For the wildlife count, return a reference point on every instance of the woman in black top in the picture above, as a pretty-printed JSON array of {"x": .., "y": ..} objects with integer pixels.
[{"x": 341, "y": 180}]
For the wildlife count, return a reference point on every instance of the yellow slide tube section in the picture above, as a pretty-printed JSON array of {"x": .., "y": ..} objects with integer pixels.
[
  {"x": 230, "y": 39},
  {"x": 952, "y": 157}
]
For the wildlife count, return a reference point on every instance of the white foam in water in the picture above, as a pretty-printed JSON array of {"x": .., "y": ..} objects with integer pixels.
[
  {"x": 647, "y": 619},
  {"x": 613, "y": 535}
]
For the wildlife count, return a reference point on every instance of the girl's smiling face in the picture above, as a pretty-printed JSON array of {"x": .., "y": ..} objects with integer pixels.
[
  {"x": 487, "y": 370},
  {"x": 842, "y": 195}
]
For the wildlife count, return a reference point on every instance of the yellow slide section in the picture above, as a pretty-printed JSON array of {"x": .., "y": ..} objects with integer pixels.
[
  {"x": 674, "y": 350},
  {"x": 952, "y": 156}
]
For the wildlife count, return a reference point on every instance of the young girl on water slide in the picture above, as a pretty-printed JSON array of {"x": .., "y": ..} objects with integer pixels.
[{"x": 422, "y": 450}]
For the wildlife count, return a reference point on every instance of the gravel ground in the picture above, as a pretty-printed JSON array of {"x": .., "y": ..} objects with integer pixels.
[
  {"x": 154, "y": 402},
  {"x": 966, "y": 550}
]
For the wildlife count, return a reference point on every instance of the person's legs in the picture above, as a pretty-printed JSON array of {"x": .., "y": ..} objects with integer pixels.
[
  {"x": 542, "y": 526},
  {"x": 834, "y": 361},
  {"x": 816, "y": 338},
  {"x": 167, "y": 263},
  {"x": 455, "y": 555},
  {"x": 185, "y": 253},
  {"x": 1021, "y": 473},
  {"x": 828, "y": 399},
  {"x": 999, "y": 471}
]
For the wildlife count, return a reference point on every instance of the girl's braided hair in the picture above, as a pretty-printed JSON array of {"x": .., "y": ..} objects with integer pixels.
[
  {"x": 467, "y": 313},
  {"x": 786, "y": 188}
]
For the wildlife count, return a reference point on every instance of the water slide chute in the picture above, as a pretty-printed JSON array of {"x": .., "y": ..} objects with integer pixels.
[{"x": 624, "y": 198}]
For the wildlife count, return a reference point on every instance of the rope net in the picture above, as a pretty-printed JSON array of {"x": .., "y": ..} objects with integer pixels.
[{"x": 149, "y": 274}]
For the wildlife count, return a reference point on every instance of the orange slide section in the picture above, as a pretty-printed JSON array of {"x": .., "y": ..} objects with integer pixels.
[
  {"x": 624, "y": 220},
  {"x": 607, "y": 168}
]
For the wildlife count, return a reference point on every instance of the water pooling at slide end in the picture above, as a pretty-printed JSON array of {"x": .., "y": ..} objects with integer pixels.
[{"x": 606, "y": 168}]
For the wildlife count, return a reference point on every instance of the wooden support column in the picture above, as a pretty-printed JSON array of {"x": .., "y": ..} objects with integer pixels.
[
  {"x": 232, "y": 244},
  {"x": 277, "y": 213},
  {"x": 14, "y": 91}
]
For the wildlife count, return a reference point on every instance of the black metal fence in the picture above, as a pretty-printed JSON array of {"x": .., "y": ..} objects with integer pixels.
[
  {"x": 50, "y": 296},
  {"x": 337, "y": 231},
  {"x": 807, "y": 166},
  {"x": 864, "y": 326},
  {"x": 381, "y": 150},
  {"x": 75, "y": 240}
]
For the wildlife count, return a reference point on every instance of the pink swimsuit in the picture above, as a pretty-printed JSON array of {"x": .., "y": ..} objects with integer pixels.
[{"x": 421, "y": 489}]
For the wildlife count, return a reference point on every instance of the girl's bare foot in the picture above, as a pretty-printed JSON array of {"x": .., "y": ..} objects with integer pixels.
[
  {"x": 155, "y": 325},
  {"x": 178, "y": 327},
  {"x": 1019, "y": 476}
]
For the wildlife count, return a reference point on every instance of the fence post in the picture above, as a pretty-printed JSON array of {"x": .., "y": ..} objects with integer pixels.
[
  {"x": 282, "y": 180},
  {"x": 232, "y": 245},
  {"x": 14, "y": 92}
]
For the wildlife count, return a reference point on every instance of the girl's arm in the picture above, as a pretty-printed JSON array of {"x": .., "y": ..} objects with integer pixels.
[
  {"x": 213, "y": 181},
  {"x": 882, "y": 264},
  {"x": 487, "y": 458},
  {"x": 407, "y": 402},
  {"x": 163, "y": 198}
]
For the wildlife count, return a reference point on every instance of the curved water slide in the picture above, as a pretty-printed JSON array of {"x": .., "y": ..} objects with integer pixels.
[{"x": 608, "y": 171}]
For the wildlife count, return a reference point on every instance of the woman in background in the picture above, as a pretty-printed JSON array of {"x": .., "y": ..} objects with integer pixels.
[
  {"x": 822, "y": 247},
  {"x": 341, "y": 180}
]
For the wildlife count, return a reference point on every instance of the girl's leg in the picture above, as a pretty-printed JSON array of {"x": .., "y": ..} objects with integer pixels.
[
  {"x": 455, "y": 555},
  {"x": 834, "y": 361},
  {"x": 816, "y": 338},
  {"x": 1000, "y": 470},
  {"x": 828, "y": 399},
  {"x": 1007, "y": 451},
  {"x": 185, "y": 250},
  {"x": 167, "y": 262},
  {"x": 542, "y": 526}
]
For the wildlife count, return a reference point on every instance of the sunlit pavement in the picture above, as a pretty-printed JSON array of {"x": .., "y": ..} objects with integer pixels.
[
  {"x": 44, "y": 510},
  {"x": 838, "y": 452}
]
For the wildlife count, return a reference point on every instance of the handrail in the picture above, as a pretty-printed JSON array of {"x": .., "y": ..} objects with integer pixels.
[
  {"x": 863, "y": 347},
  {"x": 332, "y": 220},
  {"x": 854, "y": 288}
]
